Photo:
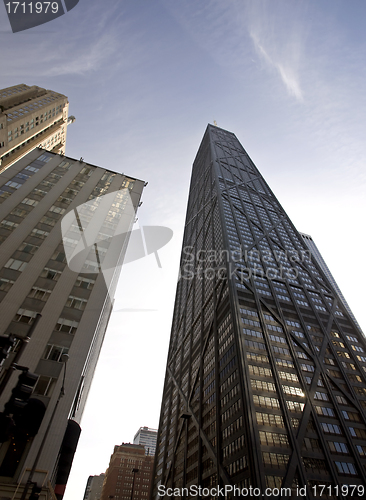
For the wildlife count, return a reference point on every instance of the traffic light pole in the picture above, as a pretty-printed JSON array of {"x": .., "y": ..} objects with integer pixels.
[
  {"x": 134, "y": 471},
  {"x": 18, "y": 354},
  {"x": 40, "y": 449}
]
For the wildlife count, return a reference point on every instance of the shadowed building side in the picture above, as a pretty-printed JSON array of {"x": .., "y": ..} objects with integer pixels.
[
  {"x": 265, "y": 381},
  {"x": 94, "y": 485}
]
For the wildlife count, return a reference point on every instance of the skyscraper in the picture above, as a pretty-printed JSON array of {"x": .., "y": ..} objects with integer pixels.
[
  {"x": 64, "y": 228},
  {"x": 30, "y": 117},
  {"x": 146, "y": 437},
  {"x": 265, "y": 382}
]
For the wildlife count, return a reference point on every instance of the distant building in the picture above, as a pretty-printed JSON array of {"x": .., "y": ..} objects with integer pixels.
[
  {"x": 31, "y": 117},
  {"x": 310, "y": 243},
  {"x": 147, "y": 437},
  {"x": 94, "y": 486},
  {"x": 42, "y": 196},
  {"x": 129, "y": 474}
]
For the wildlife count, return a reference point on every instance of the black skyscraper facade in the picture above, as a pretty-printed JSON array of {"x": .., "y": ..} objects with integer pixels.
[{"x": 266, "y": 373}]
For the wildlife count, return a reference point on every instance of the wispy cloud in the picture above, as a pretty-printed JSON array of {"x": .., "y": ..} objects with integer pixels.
[
  {"x": 228, "y": 30},
  {"x": 285, "y": 66},
  {"x": 88, "y": 44},
  {"x": 85, "y": 59},
  {"x": 279, "y": 35}
]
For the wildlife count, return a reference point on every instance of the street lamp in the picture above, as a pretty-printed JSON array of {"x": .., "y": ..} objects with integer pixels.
[{"x": 134, "y": 471}]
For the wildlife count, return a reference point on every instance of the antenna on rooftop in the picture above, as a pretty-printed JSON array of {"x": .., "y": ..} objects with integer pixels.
[{"x": 215, "y": 123}]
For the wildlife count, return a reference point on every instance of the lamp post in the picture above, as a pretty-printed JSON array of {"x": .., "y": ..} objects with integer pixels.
[
  {"x": 29, "y": 482},
  {"x": 134, "y": 471}
]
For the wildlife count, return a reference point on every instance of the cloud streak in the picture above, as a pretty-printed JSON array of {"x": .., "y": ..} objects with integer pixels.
[
  {"x": 285, "y": 68},
  {"x": 89, "y": 43},
  {"x": 279, "y": 39},
  {"x": 229, "y": 30},
  {"x": 86, "y": 59}
]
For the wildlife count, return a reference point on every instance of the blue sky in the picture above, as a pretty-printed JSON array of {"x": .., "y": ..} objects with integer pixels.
[{"x": 144, "y": 77}]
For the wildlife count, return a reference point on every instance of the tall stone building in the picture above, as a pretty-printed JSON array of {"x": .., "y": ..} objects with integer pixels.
[
  {"x": 129, "y": 474},
  {"x": 265, "y": 382},
  {"x": 310, "y": 243},
  {"x": 94, "y": 486},
  {"x": 31, "y": 117},
  {"x": 64, "y": 228}
]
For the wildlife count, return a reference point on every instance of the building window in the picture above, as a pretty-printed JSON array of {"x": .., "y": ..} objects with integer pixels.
[
  {"x": 45, "y": 386},
  {"x": 84, "y": 282},
  {"x": 8, "y": 224},
  {"x": 331, "y": 428},
  {"x": 57, "y": 210},
  {"x": 66, "y": 325},
  {"x": 45, "y": 158},
  {"x": 275, "y": 460},
  {"x": 59, "y": 256},
  {"x": 76, "y": 303},
  {"x": 13, "y": 184},
  {"x": 17, "y": 265},
  {"x": 346, "y": 468},
  {"x": 55, "y": 352},
  {"x": 338, "y": 447},
  {"x": 5, "y": 284},
  {"x": 48, "y": 220},
  {"x": 39, "y": 293},
  {"x": 25, "y": 316},
  {"x": 39, "y": 233},
  {"x": 31, "y": 168},
  {"x": 28, "y": 248},
  {"x": 50, "y": 274}
]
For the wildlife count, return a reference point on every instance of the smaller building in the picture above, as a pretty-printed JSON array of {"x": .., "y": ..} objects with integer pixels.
[
  {"x": 94, "y": 486},
  {"x": 31, "y": 116},
  {"x": 147, "y": 437},
  {"x": 129, "y": 475},
  {"x": 310, "y": 243}
]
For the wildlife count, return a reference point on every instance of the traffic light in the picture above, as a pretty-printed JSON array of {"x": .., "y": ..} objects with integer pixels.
[
  {"x": 21, "y": 393},
  {"x": 6, "y": 427},
  {"x": 6, "y": 343},
  {"x": 29, "y": 420}
]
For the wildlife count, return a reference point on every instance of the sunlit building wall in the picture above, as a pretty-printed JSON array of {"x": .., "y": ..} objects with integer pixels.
[
  {"x": 31, "y": 116},
  {"x": 146, "y": 437},
  {"x": 37, "y": 195}
]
